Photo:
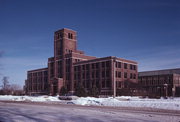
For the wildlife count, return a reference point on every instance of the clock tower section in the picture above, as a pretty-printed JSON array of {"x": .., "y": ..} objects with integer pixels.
[{"x": 65, "y": 42}]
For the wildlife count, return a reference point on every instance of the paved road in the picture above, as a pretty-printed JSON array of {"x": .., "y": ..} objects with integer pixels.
[{"x": 40, "y": 112}]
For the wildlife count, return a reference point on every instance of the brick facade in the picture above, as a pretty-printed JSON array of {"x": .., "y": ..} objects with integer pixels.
[{"x": 70, "y": 67}]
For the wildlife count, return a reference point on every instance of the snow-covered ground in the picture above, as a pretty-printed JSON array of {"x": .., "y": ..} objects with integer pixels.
[
  {"x": 28, "y": 98},
  {"x": 122, "y": 101}
]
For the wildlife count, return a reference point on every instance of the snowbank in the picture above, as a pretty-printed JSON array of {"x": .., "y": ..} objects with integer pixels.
[
  {"x": 123, "y": 101},
  {"x": 29, "y": 98},
  {"x": 170, "y": 104}
]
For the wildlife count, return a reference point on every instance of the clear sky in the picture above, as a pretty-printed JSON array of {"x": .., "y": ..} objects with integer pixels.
[{"x": 147, "y": 31}]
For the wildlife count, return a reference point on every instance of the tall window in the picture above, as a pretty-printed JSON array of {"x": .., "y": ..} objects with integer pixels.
[
  {"x": 125, "y": 66},
  {"x": 70, "y": 35},
  {"x": 125, "y": 75}
]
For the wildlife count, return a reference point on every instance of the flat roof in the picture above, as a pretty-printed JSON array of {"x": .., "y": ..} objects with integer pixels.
[
  {"x": 36, "y": 70},
  {"x": 105, "y": 58}
]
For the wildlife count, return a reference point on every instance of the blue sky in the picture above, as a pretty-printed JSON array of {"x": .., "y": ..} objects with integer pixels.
[{"x": 147, "y": 31}]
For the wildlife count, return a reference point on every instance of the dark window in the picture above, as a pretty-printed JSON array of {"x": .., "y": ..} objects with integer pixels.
[
  {"x": 103, "y": 73},
  {"x": 125, "y": 75},
  {"x": 75, "y": 68},
  {"x": 108, "y": 83},
  {"x": 97, "y": 65},
  {"x": 131, "y": 76},
  {"x": 119, "y": 74},
  {"x": 107, "y": 73},
  {"x": 87, "y": 66},
  {"x": 93, "y": 74},
  {"x": 79, "y": 76},
  {"x": 131, "y": 66},
  {"x": 103, "y": 84},
  {"x": 107, "y": 63},
  {"x": 87, "y": 74},
  {"x": 79, "y": 68},
  {"x": 103, "y": 64},
  {"x": 134, "y": 76},
  {"x": 70, "y": 35},
  {"x": 74, "y": 76},
  {"x": 83, "y": 67},
  {"x": 83, "y": 75},
  {"x": 125, "y": 66},
  {"x": 93, "y": 66},
  {"x": 119, "y": 64},
  {"x": 97, "y": 74}
]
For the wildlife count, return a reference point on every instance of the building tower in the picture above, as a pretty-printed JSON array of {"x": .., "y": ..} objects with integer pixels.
[{"x": 61, "y": 64}]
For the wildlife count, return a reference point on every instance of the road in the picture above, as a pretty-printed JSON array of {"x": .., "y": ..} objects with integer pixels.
[{"x": 43, "y": 112}]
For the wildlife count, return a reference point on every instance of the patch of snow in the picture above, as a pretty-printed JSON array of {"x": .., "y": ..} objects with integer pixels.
[
  {"x": 28, "y": 98},
  {"x": 127, "y": 101},
  {"x": 122, "y": 101}
]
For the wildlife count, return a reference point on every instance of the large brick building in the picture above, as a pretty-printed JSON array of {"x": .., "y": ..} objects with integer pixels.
[
  {"x": 71, "y": 67},
  {"x": 160, "y": 82}
]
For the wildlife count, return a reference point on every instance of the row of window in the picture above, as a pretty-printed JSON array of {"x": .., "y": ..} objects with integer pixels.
[
  {"x": 38, "y": 74},
  {"x": 132, "y": 67},
  {"x": 86, "y": 75},
  {"x": 155, "y": 82},
  {"x": 90, "y": 83},
  {"x": 93, "y": 66},
  {"x": 60, "y": 35},
  {"x": 132, "y": 76}
]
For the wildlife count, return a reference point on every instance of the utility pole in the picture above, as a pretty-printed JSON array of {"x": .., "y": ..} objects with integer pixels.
[{"x": 114, "y": 85}]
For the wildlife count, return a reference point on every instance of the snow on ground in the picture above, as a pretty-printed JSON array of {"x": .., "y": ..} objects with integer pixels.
[
  {"x": 28, "y": 98},
  {"x": 169, "y": 104},
  {"x": 122, "y": 101}
]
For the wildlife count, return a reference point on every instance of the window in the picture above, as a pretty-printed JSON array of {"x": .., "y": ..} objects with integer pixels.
[
  {"x": 97, "y": 65},
  {"x": 107, "y": 63},
  {"x": 108, "y": 83},
  {"x": 93, "y": 74},
  {"x": 125, "y": 66},
  {"x": 83, "y": 75},
  {"x": 83, "y": 67},
  {"x": 131, "y": 76},
  {"x": 119, "y": 64},
  {"x": 131, "y": 67},
  {"x": 116, "y": 74},
  {"x": 93, "y": 66},
  {"x": 87, "y": 75},
  {"x": 125, "y": 75},
  {"x": 119, "y": 74},
  {"x": 103, "y": 64},
  {"x": 87, "y": 66},
  {"x": 97, "y": 74},
  {"x": 134, "y": 76},
  {"x": 70, "y": 35},
  {"x": 103, "y": 73},
  {"x": 103, "y": 84},
  {"x": 107, "y": 73}
]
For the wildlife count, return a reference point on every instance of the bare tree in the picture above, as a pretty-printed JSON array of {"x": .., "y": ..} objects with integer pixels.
[
  {"x": 5, "y": 83},
  {"x": 5, "y": 86},
  {"x": 15, "y": 89}
]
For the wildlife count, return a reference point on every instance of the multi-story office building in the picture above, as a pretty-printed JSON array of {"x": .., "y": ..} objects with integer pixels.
[
  {"x": 161, "y": 82},
  {"x": 70, "y": 67}
]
